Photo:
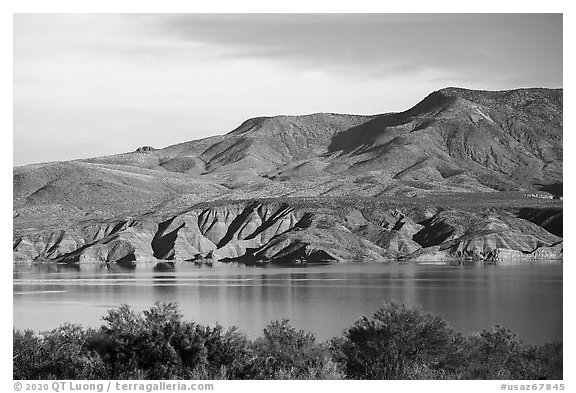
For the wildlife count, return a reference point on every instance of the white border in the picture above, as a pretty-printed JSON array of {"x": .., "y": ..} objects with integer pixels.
[{"x": 297, "y": 6}]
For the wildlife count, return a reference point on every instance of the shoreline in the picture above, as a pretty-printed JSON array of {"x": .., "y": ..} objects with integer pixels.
[{"x": 421, "y": 261}]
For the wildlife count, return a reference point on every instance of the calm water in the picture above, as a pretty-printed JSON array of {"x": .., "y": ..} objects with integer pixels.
[{"x": 322, "y": 299}]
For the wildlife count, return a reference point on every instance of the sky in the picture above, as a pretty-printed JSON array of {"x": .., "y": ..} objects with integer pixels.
[{"x": 87, "y": 85}]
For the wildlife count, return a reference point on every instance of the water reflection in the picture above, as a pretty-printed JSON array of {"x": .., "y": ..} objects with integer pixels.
[
  {"x": 323, "y": 299},
  {"x": 164, "y": 266},
  {"x": 121, "y": 266}
]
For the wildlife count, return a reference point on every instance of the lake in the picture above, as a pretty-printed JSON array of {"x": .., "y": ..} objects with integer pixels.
[{"x": 324, "y": 299}]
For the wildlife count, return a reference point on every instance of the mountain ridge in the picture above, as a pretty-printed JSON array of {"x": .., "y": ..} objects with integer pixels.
[{"x": 453, "y": 141}]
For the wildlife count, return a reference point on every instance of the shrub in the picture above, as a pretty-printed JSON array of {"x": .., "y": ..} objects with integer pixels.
[
  {"x": 228, "y": 353},
  {"x": 397, "y": 343},
  {"x": 286, "y": 353},
  {"x": 55, "y": 354},
  {"x": 499, "y": 354},
  {"x": 26, "y": 347},
  {"x": 157, "y": 344},
  {"x": 549, "y": 360},
  {"x": 152, "y": 345}
]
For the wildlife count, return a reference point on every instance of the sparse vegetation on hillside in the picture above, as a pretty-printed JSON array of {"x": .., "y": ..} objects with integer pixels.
[{"x": 457, "y": 149}]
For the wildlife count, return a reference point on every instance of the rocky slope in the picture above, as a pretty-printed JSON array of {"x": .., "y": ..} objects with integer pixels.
[
  {"x": 275, "y": 188},
  {"x": 272, "y": 231}
]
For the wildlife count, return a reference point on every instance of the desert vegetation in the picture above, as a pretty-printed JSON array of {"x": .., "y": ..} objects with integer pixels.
[{"x": 397, "y": 342}]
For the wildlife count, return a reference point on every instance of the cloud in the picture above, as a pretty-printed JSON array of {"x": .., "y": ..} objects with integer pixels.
[
  {"x": 117, "y": 81},
  {"x": 381, "y": 44}
]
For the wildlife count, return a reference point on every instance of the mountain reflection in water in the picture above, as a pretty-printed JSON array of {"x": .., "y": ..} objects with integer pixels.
[{"x": 526, "y": 298}]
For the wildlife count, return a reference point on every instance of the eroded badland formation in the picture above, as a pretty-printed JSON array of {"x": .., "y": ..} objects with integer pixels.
[{"x": 462, "y": 175}]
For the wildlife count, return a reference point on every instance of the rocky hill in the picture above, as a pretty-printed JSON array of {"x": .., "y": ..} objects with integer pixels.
[{"x": 274, "y": 189}]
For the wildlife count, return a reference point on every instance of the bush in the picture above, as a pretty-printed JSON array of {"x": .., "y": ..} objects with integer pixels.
[
  {"x": 26, "y": 346},
  {"x": 286, "y": 353},
  {"x": 549, "y": 360},
  {"x": 57, "y": 354},
  {"x": 396, "y": 343},
  {"x": 228, "y": 353},
  {"x": 133, "y": 346},
  {"x": 499, "y": 354}
]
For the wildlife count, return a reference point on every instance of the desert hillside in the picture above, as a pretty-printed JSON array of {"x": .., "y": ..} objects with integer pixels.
[{"x": 462, "y": 175}]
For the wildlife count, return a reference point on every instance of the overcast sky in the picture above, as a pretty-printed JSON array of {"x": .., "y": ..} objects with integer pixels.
[{"x": 97, "y": 84}]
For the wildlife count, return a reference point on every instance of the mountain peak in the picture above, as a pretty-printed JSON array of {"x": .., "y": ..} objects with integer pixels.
[
  {"x": 502, "y": 96},
  {"x": 454, "y": 141},
  {"x": 280, "y": 122}
]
